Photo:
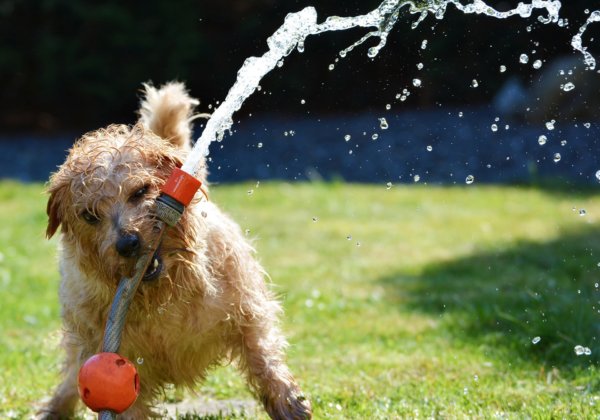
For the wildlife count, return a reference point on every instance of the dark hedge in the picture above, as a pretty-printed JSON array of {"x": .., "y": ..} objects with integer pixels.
[{"x": 74, "y": 63}]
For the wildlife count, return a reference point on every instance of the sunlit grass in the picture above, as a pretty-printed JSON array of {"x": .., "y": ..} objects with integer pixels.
[{"x": 411, "y": 301}]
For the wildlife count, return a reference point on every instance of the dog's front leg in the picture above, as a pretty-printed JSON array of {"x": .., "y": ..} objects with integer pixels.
[
  {"x": 65, "y": 398},
  {"x": 268, "y": 375}
]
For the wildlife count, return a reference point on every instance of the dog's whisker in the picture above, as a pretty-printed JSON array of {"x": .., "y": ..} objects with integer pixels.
[{"x": 174, "y": 249}]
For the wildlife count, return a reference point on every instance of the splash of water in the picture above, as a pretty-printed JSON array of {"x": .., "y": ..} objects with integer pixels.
[
  {"x": 298, "y": 26},
  {"x": 577, "y": 42}
]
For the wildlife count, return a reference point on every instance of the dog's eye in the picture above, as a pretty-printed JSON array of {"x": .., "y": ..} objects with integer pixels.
[
  {"x": 139, "y": 193},
  {"x": 89, "y": 218}
]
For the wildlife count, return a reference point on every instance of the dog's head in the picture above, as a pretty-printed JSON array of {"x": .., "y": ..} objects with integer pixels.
[{"x": 103, "y": 196}]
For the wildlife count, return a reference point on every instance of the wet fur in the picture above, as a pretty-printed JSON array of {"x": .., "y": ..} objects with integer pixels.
[{"x": 210, "y": 305}]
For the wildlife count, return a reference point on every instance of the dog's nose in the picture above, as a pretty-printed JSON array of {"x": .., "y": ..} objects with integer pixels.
[{"x": 128, "y": 244}]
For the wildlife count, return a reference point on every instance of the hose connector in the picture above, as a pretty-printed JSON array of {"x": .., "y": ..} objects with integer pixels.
[{"x": 177, "y": 193}]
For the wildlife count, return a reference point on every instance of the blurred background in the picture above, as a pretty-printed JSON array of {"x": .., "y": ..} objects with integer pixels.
[{"x": 70, "y": 66}]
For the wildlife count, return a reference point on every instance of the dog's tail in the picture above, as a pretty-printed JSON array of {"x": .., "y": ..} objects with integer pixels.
[{"x": 168, "y": 112}]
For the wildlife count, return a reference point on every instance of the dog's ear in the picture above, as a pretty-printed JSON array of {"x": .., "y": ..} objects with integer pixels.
[{"x": 58, "y": 191}]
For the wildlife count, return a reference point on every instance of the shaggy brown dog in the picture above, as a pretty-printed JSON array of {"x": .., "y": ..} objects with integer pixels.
[{"x": 203, "y": 299}]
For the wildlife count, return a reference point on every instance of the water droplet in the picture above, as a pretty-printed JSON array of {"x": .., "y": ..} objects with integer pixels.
[
  {"x": 383, "y": 124},
  {"x": 542, "y": 140},
  {"x": 587, "y": 351},
  {"x": 563, "y": 142},
  {"x": 347, "y": 137},
  {"x": 315, "y": 219},
  {"x": 250, "y": 192},
  {"x": 587, "y": 125},
  {"x": 302, "y": 101},
  {"x": 536, "y": 340},
  {"x": 349, "y": 237},
  {"x": 259, "y": 145},
  {"x": 331, "y": 67},
  {"x": 424, "y": 44},
  {"x": 506, "y": 127},
  {"x": 140, "y": 360},
  {"x": 388, "y": 186},
  {"x": 292, "y": 133},
  {"x": 460, "y": 114},
  {"x": 494, "y": 128},
  {"x": 429, "y": 148},
  {"x": 420, "y": 66},
  {"x": 350, "y": 152},
  {"x": 358, "y": 244},
  {"x": 375, "y": 136},
  {"x": 204, "y": 214},
  {"x": 388, "y": 106},
  {"x": 550, "y": 125},
  {"x": 465, "y": 391},
  {"x": 579, "y": 350},
  {"x": 470, "y": 179},
  {"x": 476, "y": 377},
  {"x": 537, "y": 64},
  {"x": 247, "y": 232},
  {"x": 280, "y": 63},
  {"x": 301, "y": 46},
  {"x": 557, "y": 157},
  {"x": 417, "y": 82},
  {"x": 502, "y": 68},
  {"x": 417, "y": 178},
  {"x": 598, "y": 175},
  {"x": 582, "y": 212},
  {"x": 568, "y": 86},
  {"x": 372, "y": 52},
  {"x": 523, "y": 59},
  {"x": 474, "y": 83}
]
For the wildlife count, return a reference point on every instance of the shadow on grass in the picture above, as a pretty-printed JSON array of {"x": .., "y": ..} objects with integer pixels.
[{"x": 503, "y": 299}]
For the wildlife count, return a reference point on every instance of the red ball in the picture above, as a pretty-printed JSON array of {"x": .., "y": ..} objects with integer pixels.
[{"x": 108, "y": 381}]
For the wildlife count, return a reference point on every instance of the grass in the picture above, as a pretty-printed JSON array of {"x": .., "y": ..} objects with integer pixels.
[{"x": 416, "y": 301}]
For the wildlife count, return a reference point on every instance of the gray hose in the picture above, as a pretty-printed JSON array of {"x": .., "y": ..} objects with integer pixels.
[{"x": 120, "y": 305}]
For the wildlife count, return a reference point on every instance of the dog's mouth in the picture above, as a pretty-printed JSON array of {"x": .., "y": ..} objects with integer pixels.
[{"x": 154, "y": 269}]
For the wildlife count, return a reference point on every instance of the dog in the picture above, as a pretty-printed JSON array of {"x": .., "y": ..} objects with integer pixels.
[{"x": 202, "y": 301}]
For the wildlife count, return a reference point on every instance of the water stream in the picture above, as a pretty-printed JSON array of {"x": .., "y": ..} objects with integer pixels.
[{"x": 298, "y": 26}]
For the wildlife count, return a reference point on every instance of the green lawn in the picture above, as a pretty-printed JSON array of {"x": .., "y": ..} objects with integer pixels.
[{"x": 414, "y": 301}]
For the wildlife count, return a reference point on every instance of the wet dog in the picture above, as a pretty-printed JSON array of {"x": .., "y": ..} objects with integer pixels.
[{"x": 203, "y": 300}]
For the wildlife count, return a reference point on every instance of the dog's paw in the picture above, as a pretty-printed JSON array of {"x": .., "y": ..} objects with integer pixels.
[
  {"x": 49, "y": 414},
  {"x": 294, "y": 406},
  {"x": 299, "y": 407}
]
